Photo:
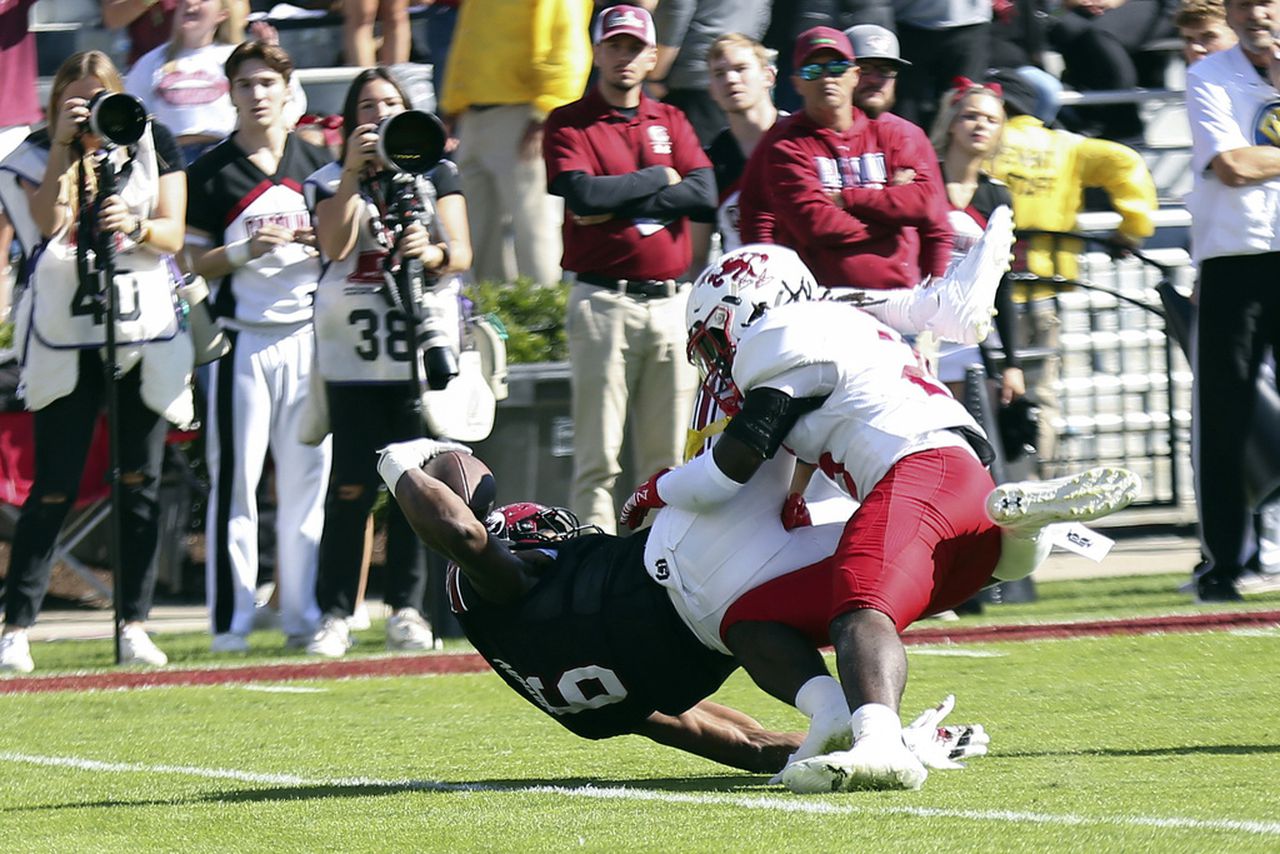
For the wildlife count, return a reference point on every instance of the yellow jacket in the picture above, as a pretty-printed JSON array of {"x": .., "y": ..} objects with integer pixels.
[
  {"x": 518, "y": 52},
  {"x": 1047, "y": 171}
]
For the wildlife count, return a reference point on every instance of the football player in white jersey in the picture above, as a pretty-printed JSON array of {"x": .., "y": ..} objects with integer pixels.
[
  {"x": 249, "y": 233},
  {"x": 844, "y": 391},
  {"x": 363, "y": 352}
]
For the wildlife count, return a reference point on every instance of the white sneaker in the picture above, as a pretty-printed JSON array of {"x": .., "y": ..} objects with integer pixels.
[
  {"x": 359, "y": 621},
  {"x": 1079, "y": 498},
  {"x": 332, "y": 639},
  {"x": 406, "y": 630},
  {"x": 15, "y": 653},
  {"x": 966, "y": 297},
  {"x": 874, "y": 762},
  {"x": 136, "y": 647},
  {"x": 229, "y": 642},
  {"x": 822, "y": 738}
]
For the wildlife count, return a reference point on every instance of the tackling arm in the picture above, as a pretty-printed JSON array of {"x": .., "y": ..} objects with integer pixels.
[{"x": 723, "y": 735}]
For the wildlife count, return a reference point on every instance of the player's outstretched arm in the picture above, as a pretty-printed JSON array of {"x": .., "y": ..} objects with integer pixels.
[
  {"x": 723, "y": 735},
  {"x": 445, "y": 523}
]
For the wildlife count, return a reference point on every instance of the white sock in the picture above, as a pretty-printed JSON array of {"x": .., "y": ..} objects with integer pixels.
[
  {"x": 1021, "y": 553},
  {"x": 823, "y": 702},
  {"x": 876, "y": 720}
]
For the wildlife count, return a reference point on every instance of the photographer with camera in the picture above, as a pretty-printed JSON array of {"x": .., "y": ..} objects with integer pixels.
[
  {"x": 363, "y": 336},
  {"x": 249, "y": 233},
  {"x": 96, "y": 138}
]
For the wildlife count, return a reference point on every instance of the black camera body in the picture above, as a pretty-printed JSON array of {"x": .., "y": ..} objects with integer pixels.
[{"x": 118, "y": 117}]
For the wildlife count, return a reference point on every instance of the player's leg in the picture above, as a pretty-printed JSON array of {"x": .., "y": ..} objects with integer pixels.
[
  {"x": 722, "y": 735},
  {"x": 302, "y": 476},
  {"x": 236, "y": 438}
]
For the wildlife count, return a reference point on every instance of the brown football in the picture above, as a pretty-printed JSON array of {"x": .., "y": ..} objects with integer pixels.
[{"x": 469, "y": 477}]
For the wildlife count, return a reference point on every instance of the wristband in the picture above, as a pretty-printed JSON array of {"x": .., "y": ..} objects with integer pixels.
[{"x": 238, "y": 253}]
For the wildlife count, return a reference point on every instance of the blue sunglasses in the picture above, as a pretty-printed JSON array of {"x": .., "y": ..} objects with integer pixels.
[{"x": 834, "y": 68}]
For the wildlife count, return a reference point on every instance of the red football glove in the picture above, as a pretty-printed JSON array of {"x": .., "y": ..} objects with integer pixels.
[
  {"x": 795, "y": 512},
  {"x": 644, "y": 499}
]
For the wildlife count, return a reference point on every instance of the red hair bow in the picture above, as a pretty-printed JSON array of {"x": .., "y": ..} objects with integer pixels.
[{"x": 963, "y": 86}]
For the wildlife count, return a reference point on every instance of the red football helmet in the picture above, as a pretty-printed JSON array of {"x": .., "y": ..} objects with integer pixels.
[{"x": 528, "y": 524}]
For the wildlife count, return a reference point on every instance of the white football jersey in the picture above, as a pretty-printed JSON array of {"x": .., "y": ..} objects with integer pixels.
[{"x": 881, "y": 403}]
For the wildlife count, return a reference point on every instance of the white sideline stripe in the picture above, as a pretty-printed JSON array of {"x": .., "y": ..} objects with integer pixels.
[
  {"x": 955, "y": 653},
  {"x": 811, "y": 805},
  {"x": 279, "y": 689}
]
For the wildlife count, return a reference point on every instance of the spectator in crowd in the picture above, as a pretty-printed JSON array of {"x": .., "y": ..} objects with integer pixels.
[
  {"x": 63, "y": 365},
  {"x": 366, "y": 376},
  {"x": 147, "y": 22},
  {"x": 1099, "y": 41},
  {"x": 182, "y": 82},
  {"x": 630, "y": 171},
  {"x": 509, "y": 66},
  {"x": 1202, "y": 26},
  {"x": 1047, "y": 172},
  {"x": 840, "y": 188},
  {"x": 879, "y": 64},
  {"x": 742, "y": 75},
  {"x": 965, "y": 134},
  {"x": 686, "y": 29},
  {"x": 944, "y": 39},
  {"x": 249, "y": 233},
  {"x": 442, "y": 19},
  {"x": 1231, "y": 97},
  {"x": 20, "y": 108},
  {"x": 791, "y": 19},
  {"x": 359, "y": 48}
]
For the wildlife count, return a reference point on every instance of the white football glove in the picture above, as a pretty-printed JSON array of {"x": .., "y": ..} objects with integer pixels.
[
  {"x": 398, "y": 457},
  {"x": 939, "y": 747}
]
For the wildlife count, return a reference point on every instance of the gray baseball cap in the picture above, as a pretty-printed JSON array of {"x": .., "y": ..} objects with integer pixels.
[{"x": 873, "y": 42}]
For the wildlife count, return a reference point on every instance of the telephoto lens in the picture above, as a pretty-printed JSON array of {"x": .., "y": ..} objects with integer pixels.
[
  {"x": 118, "y": 117},
  {"x": 412, "y": 141}
]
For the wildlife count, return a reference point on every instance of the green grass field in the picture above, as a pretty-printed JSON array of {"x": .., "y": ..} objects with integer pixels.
[{"x": 1151, "y": 743}]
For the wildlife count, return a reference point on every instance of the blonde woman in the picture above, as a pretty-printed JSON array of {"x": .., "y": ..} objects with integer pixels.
[
  {"x": 183, "y": 82},
  {"x": 59, "y": 332},
  {"x": 965, "y": 134}
]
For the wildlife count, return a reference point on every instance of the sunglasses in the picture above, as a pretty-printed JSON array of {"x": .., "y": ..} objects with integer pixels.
[
  {"x": 881, "y": 71},
  {"x": 834, "y": 68}
]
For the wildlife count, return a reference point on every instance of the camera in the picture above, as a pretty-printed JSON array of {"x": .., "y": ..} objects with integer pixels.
[
  {"x": 117, "y": 117},
  {"x": 412, "y": 141}
]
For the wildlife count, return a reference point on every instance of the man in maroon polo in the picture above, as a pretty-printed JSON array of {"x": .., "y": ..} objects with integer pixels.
[
  {"x": 842, "y": 190},
  {"x": 630, "y": 170}
]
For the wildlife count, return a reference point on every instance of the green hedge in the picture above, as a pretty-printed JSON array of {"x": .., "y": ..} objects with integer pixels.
[{"x": 532, "y": 314}]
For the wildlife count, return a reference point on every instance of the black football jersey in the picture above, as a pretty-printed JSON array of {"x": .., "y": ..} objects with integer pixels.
[{"x": 596, "y": 643}]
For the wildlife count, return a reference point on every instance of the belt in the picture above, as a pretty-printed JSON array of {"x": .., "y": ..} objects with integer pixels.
[{"x": 635, "y": 287}]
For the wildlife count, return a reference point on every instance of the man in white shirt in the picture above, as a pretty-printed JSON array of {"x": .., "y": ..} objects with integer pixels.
[{"x": 1234, "y": 109}]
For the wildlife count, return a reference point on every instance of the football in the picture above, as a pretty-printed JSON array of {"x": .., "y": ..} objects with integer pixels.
[{"x": 468, "y": 476}]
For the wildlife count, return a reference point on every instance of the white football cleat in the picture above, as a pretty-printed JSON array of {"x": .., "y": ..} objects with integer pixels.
[
  {"x": 1091, "y": 494},
  {"x": 136, "y": 647},
  {"x": 332, "y": 639},
  {"x": 407, "y": 630},
  {"x": 15, "y": 653},
  {"x": 874, "y": 762},
  {"x": 966, "y": 297},
  {"x": 823, "y": 738}
]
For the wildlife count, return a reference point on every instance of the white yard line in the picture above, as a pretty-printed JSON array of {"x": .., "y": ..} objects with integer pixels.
[
  {"x": 279, "y": 689},
  {"x": 781, "y": 803},
  {"x": 946, "y": 652}
]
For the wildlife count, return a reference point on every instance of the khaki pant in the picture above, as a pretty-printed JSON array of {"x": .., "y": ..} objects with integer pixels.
[
  {"x": 505, "y": 191},
  {"x": 628, "y": 357},
  {"x": 1039, "y": 327}
]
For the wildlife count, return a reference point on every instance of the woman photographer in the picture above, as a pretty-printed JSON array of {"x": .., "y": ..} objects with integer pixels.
[
  {"x": 363, "y": 356},
  {"x": 60, "y": 335}
]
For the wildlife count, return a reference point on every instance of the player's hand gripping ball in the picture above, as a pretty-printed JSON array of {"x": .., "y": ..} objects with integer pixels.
[{"x": 469, "y": 477}]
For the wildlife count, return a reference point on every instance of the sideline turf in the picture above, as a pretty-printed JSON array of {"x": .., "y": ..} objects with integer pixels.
[{"x": 1099, "y": 731}]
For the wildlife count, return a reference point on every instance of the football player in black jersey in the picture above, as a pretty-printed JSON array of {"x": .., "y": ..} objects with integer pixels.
[{"x": 572, "y": 621}]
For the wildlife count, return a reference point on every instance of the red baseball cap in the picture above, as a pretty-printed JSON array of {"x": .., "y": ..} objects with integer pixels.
[
  {"x": 624, "y": 21},
  {"x": 820, "y": 38}
]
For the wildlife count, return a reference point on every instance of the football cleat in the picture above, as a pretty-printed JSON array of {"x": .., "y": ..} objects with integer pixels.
[
  {"x": 1080, "y": 497},
  {"x": 964, "y": 300},
  {"x": 874, "y": 762}
]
